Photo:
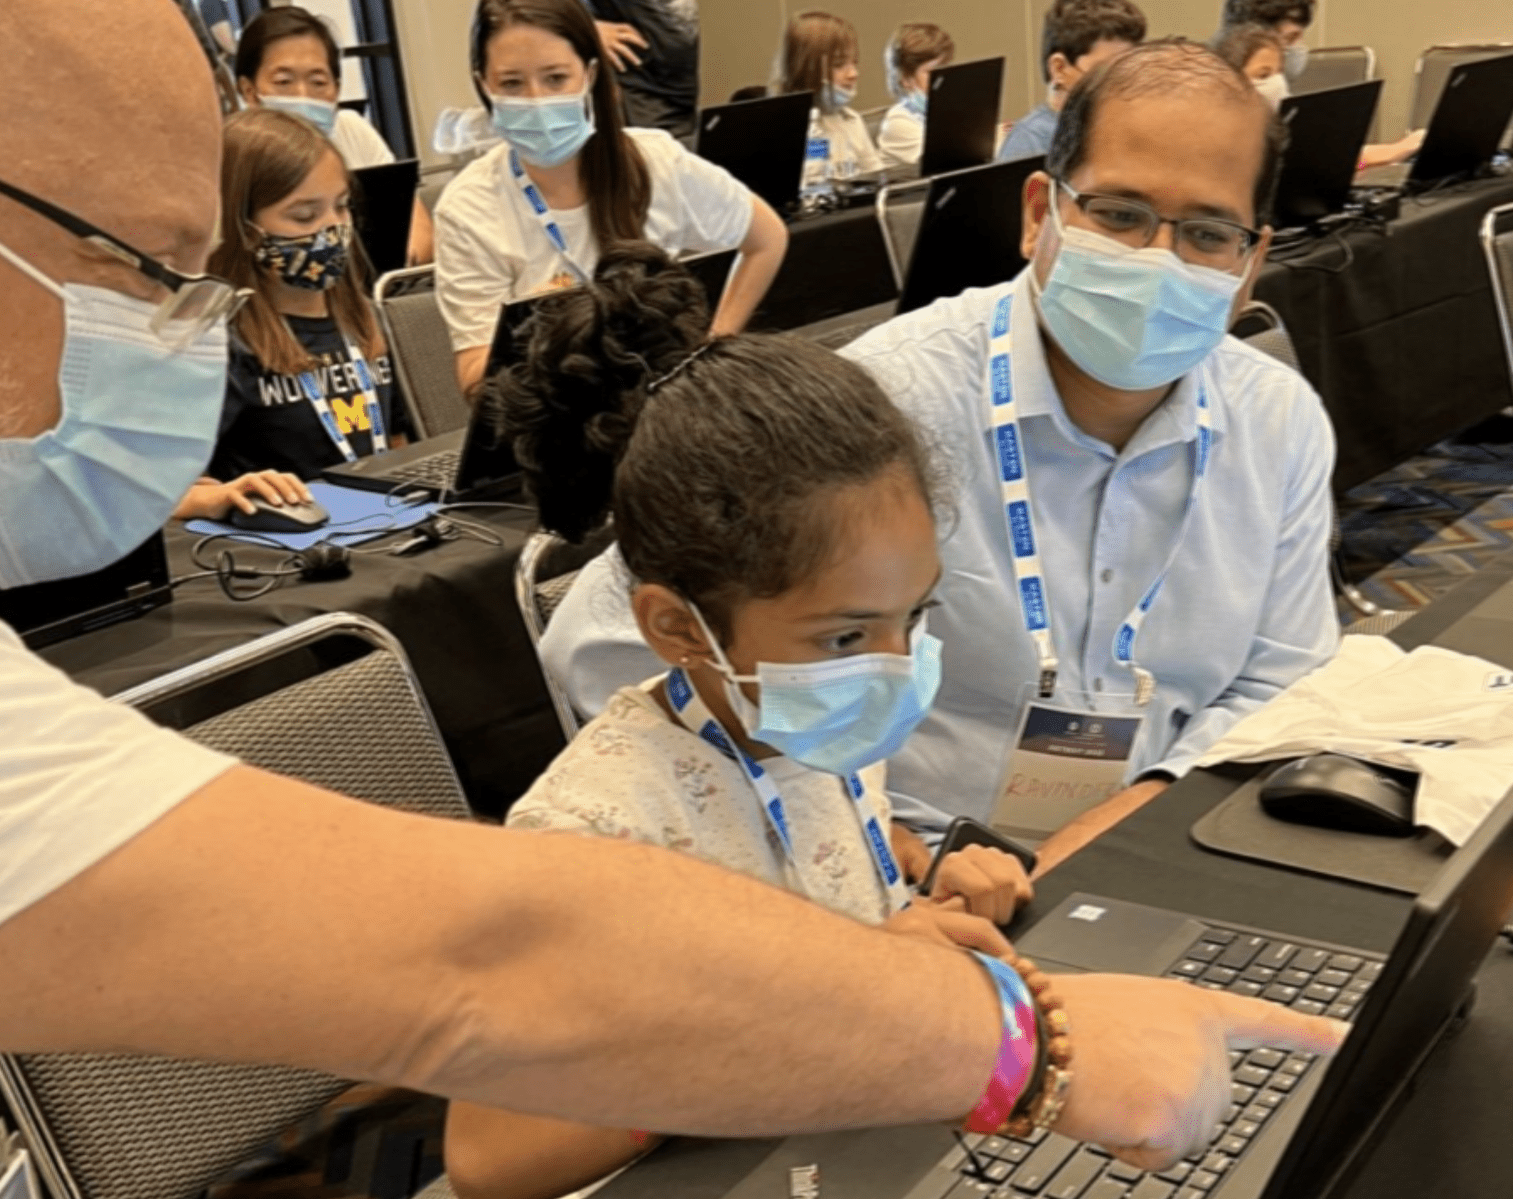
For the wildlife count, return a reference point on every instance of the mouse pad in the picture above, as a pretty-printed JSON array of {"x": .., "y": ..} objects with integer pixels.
[
  {"x": 1238, "y": 827},
  {"x": 356, "y": 516}
]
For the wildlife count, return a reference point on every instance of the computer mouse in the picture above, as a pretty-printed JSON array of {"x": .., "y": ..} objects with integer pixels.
[
  {"x": 1333, "y": 791},
  {"x": 288, "y": 518}
]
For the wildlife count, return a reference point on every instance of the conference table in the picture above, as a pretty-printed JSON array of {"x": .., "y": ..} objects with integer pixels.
[
  {"x": 1393, "y": 321},
  {"x": 452, "y": 608}
]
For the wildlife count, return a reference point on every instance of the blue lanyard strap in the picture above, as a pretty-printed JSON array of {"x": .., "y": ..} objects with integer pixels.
[
  {"x": 538, "y": 205},
  {"x": 310, "y": 384},
  {"x": 694, "y": 714},
  {"x": 1014, "y": 483}
]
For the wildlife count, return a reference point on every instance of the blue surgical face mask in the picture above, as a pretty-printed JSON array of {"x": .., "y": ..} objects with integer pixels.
[
  {"x": 1294, "y": 60},
  {"x": 546, "y": 131},
  {"x": 917, "y": 102},
  {"x": 1135, "y": 319},
  {"x": 320, "y": 113},
  {"x": 838, "y": 97},
  {"x": 138, "y": 425},
  {"x": 841, "y": 714}
]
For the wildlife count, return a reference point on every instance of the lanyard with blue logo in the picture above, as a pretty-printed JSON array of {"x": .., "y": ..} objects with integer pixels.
[
  {"x": 538, "y": 205},
  {"x": 310, "y": 384},
  {"x": 694, "y": 714},
  {"x": 1034, "y": 602}
]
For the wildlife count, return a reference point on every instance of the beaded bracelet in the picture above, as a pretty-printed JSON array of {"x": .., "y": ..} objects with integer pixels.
[{"x": 1029, "y": 1083}]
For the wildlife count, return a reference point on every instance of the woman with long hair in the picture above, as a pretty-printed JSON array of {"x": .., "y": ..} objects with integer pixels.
[
  {"x": 819, "y": 55},
  {"x": 570, "y": 181}
]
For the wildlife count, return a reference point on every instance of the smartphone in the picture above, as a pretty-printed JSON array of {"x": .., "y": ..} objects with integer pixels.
[{"x": 965, "y": 831}]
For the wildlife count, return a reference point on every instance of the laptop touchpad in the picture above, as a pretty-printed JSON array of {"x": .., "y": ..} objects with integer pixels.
[{"x": 1090, "y": 932}]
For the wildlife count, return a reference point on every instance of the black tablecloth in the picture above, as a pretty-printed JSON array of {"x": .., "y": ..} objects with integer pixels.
[
  {"x": 1449, "y": 1138},
  {"x": 453, "y": 609},
  {"x": 1396, "y": 327}
]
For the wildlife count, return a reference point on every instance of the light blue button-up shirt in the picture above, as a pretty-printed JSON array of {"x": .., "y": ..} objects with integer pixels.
[
  {"x": 1031, "y": 134},
  {"x": 1245, "y": 611}
]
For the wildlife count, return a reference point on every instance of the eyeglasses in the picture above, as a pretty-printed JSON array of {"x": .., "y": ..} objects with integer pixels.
[
  {"x": 194, "y": 303},
  {"x": 1203, "y": 241}
]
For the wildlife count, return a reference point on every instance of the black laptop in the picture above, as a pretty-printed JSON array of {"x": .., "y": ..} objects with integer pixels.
[
  {"x": 1466, "y": 129},
  {"x": 1295, "y": 1127},
  {"x": 961, "y": 122},
  {"x": 46, "y": 613},
  {"x": 1327, "y": 130},
  {"x": 383, "y": 205},
  {"x": 969, "y": 232},
  {"x": 760, "y": 142}
]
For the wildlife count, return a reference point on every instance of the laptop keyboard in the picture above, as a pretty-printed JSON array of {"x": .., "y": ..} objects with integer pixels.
[
  {"x": 438, "y": 470},
  {"x": 1305, "y": 978}
]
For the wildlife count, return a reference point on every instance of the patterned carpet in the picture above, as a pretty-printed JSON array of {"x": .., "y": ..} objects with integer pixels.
[{"x": 1408, "y": 536}]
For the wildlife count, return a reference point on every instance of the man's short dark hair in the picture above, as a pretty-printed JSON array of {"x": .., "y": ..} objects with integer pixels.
[
  {"x": 1073, "y": 27},
  {"x": 1268, "y": 12},
  {"x": 1163, "y": 67}
]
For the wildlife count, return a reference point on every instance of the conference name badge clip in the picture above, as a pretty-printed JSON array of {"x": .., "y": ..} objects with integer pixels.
[{"x": 1047, "y": 683}]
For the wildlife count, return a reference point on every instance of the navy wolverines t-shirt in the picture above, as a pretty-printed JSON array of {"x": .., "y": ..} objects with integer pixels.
[{"x": 269, "y": 423}]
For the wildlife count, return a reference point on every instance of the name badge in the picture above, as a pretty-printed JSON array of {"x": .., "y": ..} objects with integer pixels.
[{"x": 1066, "y": 759}]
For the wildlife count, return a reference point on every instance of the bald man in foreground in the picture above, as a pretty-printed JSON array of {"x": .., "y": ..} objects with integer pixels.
[{"x": 156, "y": 897}]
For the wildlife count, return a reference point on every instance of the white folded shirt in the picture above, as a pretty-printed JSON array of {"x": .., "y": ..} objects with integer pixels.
[{"x": 1446, "y": 715}]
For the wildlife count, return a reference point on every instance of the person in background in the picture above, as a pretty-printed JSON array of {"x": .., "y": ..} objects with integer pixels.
[
  {"x": 1288, "y": 19},
  {"x": 1259, "y": 53},
  {"x": 819, "y": 55},
  {"x": 734, "y": 542},
  {"x": 288, "y": 59},
  {"x": 1077, "y": 36},
  {"x": 163, "y": 898},
  {"x": 309, "y": 382},
  {"x": 653, "y": 46},
  {"x": 914, "y": 50},
  {"x": 570, "y": 180}
]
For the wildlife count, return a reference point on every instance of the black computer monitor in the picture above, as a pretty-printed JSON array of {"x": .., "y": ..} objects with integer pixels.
[
  {"x": 1328, "y": 129},
  {"x": 961, "y": 123},
  {"x": 1468, "y": 122},
  {"x": 46, "y": 613},
  {"x": 969, "y": 232},
  {"x": 760, "y": 142},
  {"x": 383, "y": 204}
]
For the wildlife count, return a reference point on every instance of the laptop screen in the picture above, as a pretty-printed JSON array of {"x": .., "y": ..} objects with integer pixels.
[
  {"x": 1469, "y": 121},
  {"x": 45, "y": 613},
  {"x": 383, "y": 204},
  {"x": 760, "y": 142},
  {"x": 961, "y": 124},
  {"x": 1328, "y": 129}
]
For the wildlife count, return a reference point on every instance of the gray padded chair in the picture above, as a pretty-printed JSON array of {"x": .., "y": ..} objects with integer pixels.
[
  {"x": 138, "y": 1127},
  {"x": 544, "y": 574},
  {"x": 425, "y": 366},
  {"x": 1497, "y": 243},
  {"x": 900, "y": 209},
  {"x": 1433, "y": 72},
  {"x": 1336, "y": 66},
  {"x": 1260, "y": 325}
]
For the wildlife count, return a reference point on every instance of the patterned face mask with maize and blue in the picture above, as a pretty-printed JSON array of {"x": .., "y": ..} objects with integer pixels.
[{"x": 315, "y": 261}]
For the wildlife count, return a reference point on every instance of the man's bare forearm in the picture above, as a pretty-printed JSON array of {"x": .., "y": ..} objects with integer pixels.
[{"x": 263, "y": 920}]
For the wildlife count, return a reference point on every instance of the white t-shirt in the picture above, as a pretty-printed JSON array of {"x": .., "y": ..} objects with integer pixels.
[
  {"x": 901, "y": 140},
  {"x": 359, "y": 144},
  {"x": 79, "y": 776},
  {"x": 839, "y": 147},
  {"x": 634, "y": 773},
  {"x": 492, "y": 249}
]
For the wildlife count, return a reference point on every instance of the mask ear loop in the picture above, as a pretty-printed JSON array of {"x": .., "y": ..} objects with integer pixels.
[
  {"x": 721, "y": 662},
  {"x": 27, "y": 268}
]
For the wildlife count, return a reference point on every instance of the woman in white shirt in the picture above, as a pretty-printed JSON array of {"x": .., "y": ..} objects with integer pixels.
[
  {"x": 570, "y": 180},
  {"x": 914, "y": 50},
  {"x": 287, "y": 59},
  {"x": 819, "y": 55}
]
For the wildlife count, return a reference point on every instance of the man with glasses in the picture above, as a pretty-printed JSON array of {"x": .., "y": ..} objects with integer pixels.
[
  {"x": 1142, "y": 540},
  {"x": 1139, "y": 553}
]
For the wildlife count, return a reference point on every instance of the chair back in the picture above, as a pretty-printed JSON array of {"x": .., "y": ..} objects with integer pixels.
[
  {"x": 544, "y": 574},
  {"x": 1497, "y": 243},
  {"x": 425, "y": 366},
  {"x": 900, "y": 209},
  {"x": 332, "y": 701},
  {"x": 1260, "y": 325},
  {"x": 1433, "y": 72},
  {"x": 1336, "y": 66}
]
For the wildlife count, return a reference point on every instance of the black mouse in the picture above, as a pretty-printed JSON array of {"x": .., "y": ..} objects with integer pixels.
[
  {"x": 1333, "y": 791},
  {"x": 288, "y": 518}
]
